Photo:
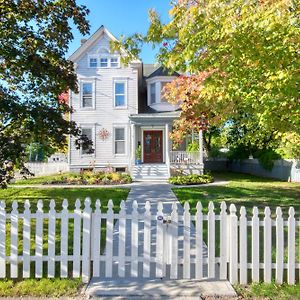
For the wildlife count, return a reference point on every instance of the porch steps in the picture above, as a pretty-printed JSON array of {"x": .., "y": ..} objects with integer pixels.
[{"x": 150, "y": 172}]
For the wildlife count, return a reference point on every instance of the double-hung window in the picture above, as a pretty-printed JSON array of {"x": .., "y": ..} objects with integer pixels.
[
  {"x": 152, "y": 93},
  {"x": 93, "y": 62},
  {"x": 103, "y": 62},
  {"x": 119, "y": 93},
  {"x": 114, "y": 62},
  {"x": 88, "y": 132},
  {"x": 119, "y": 135},
  {"x": 87, "y": 95}
]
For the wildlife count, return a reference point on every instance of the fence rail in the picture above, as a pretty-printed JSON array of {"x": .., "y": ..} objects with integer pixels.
[
  {"x": 184, "y": 157},
  {"x": 146, "y": 242}
]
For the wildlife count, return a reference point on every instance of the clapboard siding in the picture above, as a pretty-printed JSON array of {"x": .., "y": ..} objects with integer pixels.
[{"x": 103, "y": 115}]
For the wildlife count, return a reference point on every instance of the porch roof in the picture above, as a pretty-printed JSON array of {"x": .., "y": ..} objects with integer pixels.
[{"x": 155, "y": 118}]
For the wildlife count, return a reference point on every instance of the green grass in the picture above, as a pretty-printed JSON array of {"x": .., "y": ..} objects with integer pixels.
[
  {"x": 39, "y": 179},
  {"x": 244, "y": 190},
  {"x": 269, "y": 291},
  {"x": 58, "y": 194},
  {"x": 40, "y": 287}
]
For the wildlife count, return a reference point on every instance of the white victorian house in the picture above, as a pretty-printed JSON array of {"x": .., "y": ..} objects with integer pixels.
[{"x": 121, "y": 107}]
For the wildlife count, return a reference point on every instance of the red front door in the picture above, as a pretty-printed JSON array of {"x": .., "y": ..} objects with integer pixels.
[{"x": 153, "y": 152}]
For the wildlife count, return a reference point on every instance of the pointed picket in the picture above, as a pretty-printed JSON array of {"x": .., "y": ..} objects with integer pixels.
[
  {"x": 109, "y": 239},
  {"x": 186, "y": 241},
  {"x": 291, "y": 246},
  {"x": 122, "y": 234},
  {"x": 199, "y": 242},
  {"x": 159, "y": 241},
  {"x": 2, "y": 240},
  {"x": 86, "y": 241},
  {"x": 267, "y": 246},
  {"x": 14, "y": 241},
  {"x": 64, "y": 240},
  {"x": 279, "y": 246},
  {"x": 211, "y": 240},
  {"x": 26, "y": 240},
  {"x": 134, "y": 240},
  {"x": 51, "y": 239},
  {"x": 174, "y": 242},
  {"x": 147, "y": 240},
  {"x": 243, "y": 247},
  {"x": 233, "y": 256},
  {"x": 77, "y": 239},
  {"x": 97, "y": 239},
  {"x": 223, "y": 241},
  {"x": 255, "y": 245}
]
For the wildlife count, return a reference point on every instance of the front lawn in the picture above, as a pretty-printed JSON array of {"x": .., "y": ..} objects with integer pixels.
[{"x": 244, "y": 190}]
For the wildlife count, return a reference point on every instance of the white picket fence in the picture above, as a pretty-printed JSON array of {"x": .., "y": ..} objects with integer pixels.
[{"x": 142, "y": 242}]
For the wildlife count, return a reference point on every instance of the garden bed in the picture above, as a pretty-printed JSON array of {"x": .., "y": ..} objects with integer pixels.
[
  {"x": 191, "y": 179},
  {"x": 84, "y": 178}
]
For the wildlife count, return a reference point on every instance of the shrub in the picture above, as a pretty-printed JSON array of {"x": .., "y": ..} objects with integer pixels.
[{"x": 191, "y": 179}]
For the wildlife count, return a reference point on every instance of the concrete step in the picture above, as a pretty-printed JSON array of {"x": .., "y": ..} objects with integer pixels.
[{"x": 150, "y": 172}]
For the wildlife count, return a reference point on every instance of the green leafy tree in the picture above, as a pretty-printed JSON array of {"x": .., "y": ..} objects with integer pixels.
[
  {"x": 244, "y": 58},
  {"x": 34, "y": 38}
]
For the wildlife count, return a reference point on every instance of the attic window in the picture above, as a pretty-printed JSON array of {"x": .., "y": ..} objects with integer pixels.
[
  {"x": 114, "y": 62},
  {"x": 152, "y": 93},
  {"x": 103, "y": 62},
  {"x": 93, "y": 62}
]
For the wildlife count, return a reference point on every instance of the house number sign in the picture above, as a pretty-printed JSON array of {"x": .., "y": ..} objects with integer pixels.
[{"x": 103, "y": 134}]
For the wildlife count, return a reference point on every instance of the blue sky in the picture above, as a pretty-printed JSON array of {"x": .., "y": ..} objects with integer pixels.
[{"x": 122, "y": 17}]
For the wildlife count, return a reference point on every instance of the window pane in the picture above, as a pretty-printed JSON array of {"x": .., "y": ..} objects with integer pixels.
[
  {"x": 119, "y": 88},
  {"x": 103, "y": 62},
  {"x": 162, "y": 98},
  {"x": 120, "y": 147},
  {"x": 93, "y": 62},
  {"x": 88, "y": 132},
  {"x": 152, "y": 93},
  {"x": 87, "y": 88},
  {"x": 119, "y": 134},
  {"x": 119, "y": 100},
  {"x": 87, "y": 101},
  {"x": 114, "y": 62}
]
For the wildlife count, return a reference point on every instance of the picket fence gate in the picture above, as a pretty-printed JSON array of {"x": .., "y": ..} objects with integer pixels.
[{"x": 140, "y": 242}]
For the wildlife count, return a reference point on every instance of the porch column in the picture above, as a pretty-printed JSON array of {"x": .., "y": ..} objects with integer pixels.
[
  {"x": 201, "y": 162},
  {"x": 133, "y": 144},
  {"x": 167, "y": 147}
]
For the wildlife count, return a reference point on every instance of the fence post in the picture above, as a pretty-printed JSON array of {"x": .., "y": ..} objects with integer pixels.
[
  {"x": 159, "y": 241},
  {"x": 77, "y": 239},
  {"x": 51, "y": 239},
  {"x": 291, "y": 246},
  {"x": 233, "y": 268},
  {"x": 109, "y": 239},
  {"x": 223, "y": 241},
  {"x": 147, "y": 240},
  {"x": 122, "y": 234},
  {"x": 2, "y": 239},
  {"x": 86, "y": 241},
  {"x": 134, "y": 239},
  {"x": 96, "y": 238},
  {"x": 174, "y": 246},
  {"x": 64, "y": 241},
  {"x": 243, "y": 246}
]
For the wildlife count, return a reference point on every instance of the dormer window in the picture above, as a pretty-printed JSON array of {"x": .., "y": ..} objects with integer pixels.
[
  {"x": 152, "y": 93},
  {"x": 103, "y": 62}
]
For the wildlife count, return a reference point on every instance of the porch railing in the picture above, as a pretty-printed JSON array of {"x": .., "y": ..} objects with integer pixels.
[{"x": 184, "y": 157}]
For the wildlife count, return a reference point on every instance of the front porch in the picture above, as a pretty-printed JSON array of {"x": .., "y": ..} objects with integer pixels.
[{"x": 152, "y": 133}]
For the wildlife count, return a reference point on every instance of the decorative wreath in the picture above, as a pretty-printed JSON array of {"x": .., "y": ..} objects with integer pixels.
[{"x": 103, "y": 134}]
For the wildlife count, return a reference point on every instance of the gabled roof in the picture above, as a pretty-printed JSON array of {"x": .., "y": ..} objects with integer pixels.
[
  {"x": 161, "y": 71},
  {"x": 91, "y": 40}
]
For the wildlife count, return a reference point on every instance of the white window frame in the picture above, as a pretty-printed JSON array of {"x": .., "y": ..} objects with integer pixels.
[
  {"x": 155, "y": 93},
  {"x": 118, "y": 62},
  {"x": 108, "y": 62},
  {"x": 93, "y": 83},
  {"x": 116, "y": 80},
  {"x": 93, "y": 128},
  {"x": 89, "y": 61},
  {"x": 118, "y": 126}
]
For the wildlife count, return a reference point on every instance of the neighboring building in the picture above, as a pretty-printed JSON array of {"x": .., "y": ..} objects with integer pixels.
[{"x": 120, "y": 107}]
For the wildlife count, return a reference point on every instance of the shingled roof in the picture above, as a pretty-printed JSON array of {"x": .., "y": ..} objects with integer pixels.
[{"x": 151, "y": 70}]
